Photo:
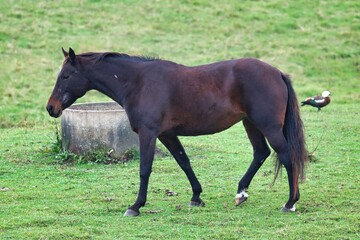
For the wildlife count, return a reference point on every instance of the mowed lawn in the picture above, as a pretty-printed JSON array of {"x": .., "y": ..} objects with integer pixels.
[{"x": 41, "y": 197}]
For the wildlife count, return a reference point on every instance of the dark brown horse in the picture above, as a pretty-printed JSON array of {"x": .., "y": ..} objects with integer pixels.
[{"x": 165, "y": 100}]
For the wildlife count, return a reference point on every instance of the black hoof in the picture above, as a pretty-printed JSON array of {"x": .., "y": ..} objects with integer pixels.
[
  {"x": 131, "y": 213},
  {"x": 196, "y": 204}
]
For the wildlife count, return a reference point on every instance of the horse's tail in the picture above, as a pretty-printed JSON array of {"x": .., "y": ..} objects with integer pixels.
[{"x": 294, "y": 133}]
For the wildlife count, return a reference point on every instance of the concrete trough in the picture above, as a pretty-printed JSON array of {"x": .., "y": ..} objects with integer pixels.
[{"x": 91, "y": 127}]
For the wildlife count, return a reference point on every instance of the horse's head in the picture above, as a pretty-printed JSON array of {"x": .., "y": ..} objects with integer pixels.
[{"x": 71, "y": 84}]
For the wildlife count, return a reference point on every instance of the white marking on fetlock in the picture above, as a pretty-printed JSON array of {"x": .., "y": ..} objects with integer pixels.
[
  {"x": 242, "y": 194},
  {"x": 293, "y": 209}
]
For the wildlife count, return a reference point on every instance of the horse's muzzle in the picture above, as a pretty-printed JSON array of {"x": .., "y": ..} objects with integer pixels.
[
  {"x": 54, "y": 107},
  {"x": 53, "y": 112}
]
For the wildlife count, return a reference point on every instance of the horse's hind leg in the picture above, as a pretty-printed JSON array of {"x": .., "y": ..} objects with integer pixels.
[
  {"x": 173, "y": 144},
  {"x": 278, "y": 142},
  {"x": 261, "y": 152}
]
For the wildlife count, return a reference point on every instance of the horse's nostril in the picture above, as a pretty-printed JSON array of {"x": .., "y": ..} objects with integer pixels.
[{"x": 50, "y": 108}]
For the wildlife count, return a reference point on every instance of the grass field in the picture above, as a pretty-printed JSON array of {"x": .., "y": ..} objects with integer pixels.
[{"x": 316, "y": 42}]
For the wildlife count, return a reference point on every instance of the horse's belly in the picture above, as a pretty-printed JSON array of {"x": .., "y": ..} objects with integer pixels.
[{"x": 208, "y": 124}]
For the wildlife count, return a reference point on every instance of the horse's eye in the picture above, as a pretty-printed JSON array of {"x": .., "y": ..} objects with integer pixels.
[{"x": 65, "y": 76}]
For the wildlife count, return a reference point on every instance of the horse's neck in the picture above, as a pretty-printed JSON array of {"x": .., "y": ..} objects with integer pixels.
[{"x": 113, "y": 79}]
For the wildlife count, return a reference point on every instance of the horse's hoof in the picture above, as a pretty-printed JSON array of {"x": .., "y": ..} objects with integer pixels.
[
  {"x": 285, "y": 209},
  {"x": 131, "y": 213},
  {"x": 240, "y": 198},
  {"x": 196, "y": 204},
  {"x": 239, "y": 201}
]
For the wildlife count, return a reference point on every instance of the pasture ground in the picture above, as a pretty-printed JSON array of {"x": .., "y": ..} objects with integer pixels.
[{"x": 41, "y": 197}]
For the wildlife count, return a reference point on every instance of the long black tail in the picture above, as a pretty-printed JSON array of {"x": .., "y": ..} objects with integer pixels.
[{"x": 294, "y": 133}]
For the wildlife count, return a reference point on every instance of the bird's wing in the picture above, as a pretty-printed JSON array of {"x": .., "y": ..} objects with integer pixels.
[
  {"x": 309, "y": 99},
  {"x": 319, "y": 99}
]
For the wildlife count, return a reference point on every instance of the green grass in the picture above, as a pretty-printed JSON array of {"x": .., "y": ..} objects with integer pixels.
[{"x": 314, "y": 41}]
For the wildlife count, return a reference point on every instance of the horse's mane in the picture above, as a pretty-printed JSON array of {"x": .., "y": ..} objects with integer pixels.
[{"x": 98, "y": 57}]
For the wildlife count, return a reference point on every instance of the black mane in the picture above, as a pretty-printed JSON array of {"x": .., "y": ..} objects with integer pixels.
[{"x": 99, "y": 57}]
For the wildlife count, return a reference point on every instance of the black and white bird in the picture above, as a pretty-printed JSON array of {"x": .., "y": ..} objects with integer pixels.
[{"x": 318, "y": 101}]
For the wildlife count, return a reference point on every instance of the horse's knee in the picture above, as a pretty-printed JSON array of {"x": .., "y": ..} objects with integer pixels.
[{"x": 145, "y": 174}]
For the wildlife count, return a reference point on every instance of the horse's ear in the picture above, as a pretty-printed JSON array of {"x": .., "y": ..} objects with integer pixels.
[
  {"x": 65, "y": 52},
  {"x": 72, "y": 55}
]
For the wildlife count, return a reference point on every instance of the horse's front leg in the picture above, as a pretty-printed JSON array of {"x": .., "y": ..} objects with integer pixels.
[{"x": 147, "y": 147}]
